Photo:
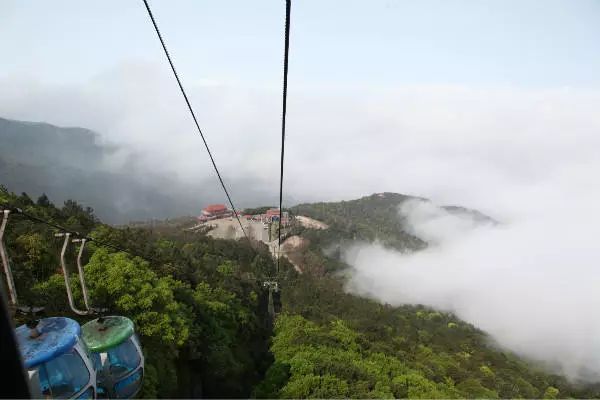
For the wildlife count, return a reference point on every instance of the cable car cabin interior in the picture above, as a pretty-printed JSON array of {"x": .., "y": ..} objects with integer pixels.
[
  {"x": 56, "y": 359},
  {"x": 117, "y": 356}
]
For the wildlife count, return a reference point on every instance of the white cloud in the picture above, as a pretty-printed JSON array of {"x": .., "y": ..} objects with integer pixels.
[
  {"x": 455, "y": 144},
  {"x": 531, "y": 283}
]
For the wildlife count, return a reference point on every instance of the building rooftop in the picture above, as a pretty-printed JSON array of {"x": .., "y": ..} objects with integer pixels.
[{"x": 215, "y": 208}]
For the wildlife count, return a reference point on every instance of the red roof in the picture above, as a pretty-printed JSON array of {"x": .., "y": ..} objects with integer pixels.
[
  {"x": 273, "y": 211},
  {"x": 215, "y": 208}
]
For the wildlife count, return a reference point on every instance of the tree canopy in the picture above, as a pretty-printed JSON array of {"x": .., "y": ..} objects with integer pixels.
[{"x": 201, "y": 312}]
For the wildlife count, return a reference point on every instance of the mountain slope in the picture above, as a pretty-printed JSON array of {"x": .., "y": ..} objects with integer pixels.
[
  {"x": 331, "y": 344},
  {"x": 70, "y": 163},
  {"x": 204, "y": 330},
  {"x": 119, "y": 183},
  {"x": 48, "y": 145},
  {"x": 373, "y": 217},
  {"x": 369, "y": 218}
]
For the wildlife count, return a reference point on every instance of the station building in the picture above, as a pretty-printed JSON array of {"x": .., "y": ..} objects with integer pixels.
[{"x": 214, "y": 211}]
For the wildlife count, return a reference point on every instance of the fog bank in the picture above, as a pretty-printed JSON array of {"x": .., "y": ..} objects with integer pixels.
[{"x": 531, "y": 282}]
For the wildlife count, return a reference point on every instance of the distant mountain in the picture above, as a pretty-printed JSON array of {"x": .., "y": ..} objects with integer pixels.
[
  {"x": 331, "y": 343},
  {"x": 47, "y": 145},
  {"x": 72, "y": 163},
  {"x": 370, "y": 218}
]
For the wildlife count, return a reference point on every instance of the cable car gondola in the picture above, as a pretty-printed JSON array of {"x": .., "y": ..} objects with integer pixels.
[
  {"x": 117, "y": 356},
  {"x": 56, "y": 359},
  {"x": 114, "y": 348},
  {"x": 53, "y": 353}
]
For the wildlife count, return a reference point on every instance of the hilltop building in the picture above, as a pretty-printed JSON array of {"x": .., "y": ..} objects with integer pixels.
[
  {"x": 214, "y": 211},
  {"x": 274, "y": 214}
]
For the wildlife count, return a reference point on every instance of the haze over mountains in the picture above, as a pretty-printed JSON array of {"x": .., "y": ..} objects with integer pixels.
[{"x": 75, "y": 163}]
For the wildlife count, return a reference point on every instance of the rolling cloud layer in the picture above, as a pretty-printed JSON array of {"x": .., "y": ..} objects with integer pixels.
[
  {"x": 531, "y": 283},
  {"x": 473, "y": 146}
]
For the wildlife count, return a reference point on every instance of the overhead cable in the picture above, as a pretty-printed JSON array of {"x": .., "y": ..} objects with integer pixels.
[
  {"x": 189, "y": 106},
  {"x": 33, "y": 218},
  {"x": 283, "y": 115}
]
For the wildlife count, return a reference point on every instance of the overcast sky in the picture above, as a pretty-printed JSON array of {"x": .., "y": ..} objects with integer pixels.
[
  {"x": 371, "y": 43},
  {"x": 487, "y": 104}
]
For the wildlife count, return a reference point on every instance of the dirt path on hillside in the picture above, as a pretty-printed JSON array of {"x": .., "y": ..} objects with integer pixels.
[
  {"x": 292, "y": 250},
  {"x": 311, "y": 223}
]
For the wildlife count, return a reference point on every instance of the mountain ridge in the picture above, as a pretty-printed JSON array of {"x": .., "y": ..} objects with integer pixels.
[{"x": 74, "y": 163}]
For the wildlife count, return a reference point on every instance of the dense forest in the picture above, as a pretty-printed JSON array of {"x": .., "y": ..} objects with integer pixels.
[
  {"x": 365, "y": 219},
  {"x": 330, "y": 344},
  {"x": 197, "y": 306},
  {"x": 201, "y": 311}
]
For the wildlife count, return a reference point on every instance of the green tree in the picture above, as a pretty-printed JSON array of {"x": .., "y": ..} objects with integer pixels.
[
  {"x": 551, "y": 393},
  {"x": 128, "y": 285},
  {"x": 473, "y": 389}
]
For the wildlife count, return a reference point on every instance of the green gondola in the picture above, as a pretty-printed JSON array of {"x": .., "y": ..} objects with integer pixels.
[{"x": 117, "y": 356}]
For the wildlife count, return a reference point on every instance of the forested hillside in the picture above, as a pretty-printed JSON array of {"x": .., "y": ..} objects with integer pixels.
[
  {"x": 369, "y": 218},
  {"x": 201, "y": 317},
  {"x": 330, "y": 343}
]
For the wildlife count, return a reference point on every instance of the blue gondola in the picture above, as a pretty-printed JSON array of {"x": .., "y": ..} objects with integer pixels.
[
  {"x": 56, "y": 359},
  {"x": 107, "y": 362}
]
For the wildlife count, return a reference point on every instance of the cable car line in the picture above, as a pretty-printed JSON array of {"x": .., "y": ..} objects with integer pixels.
[
  {"x": 288, "y": 4},
  {"x": 52, "y": 339},
  {"x": 79, "y": 236},
  {"x": 189, "y": 106},
  {"x": 33, "y": 218}
]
